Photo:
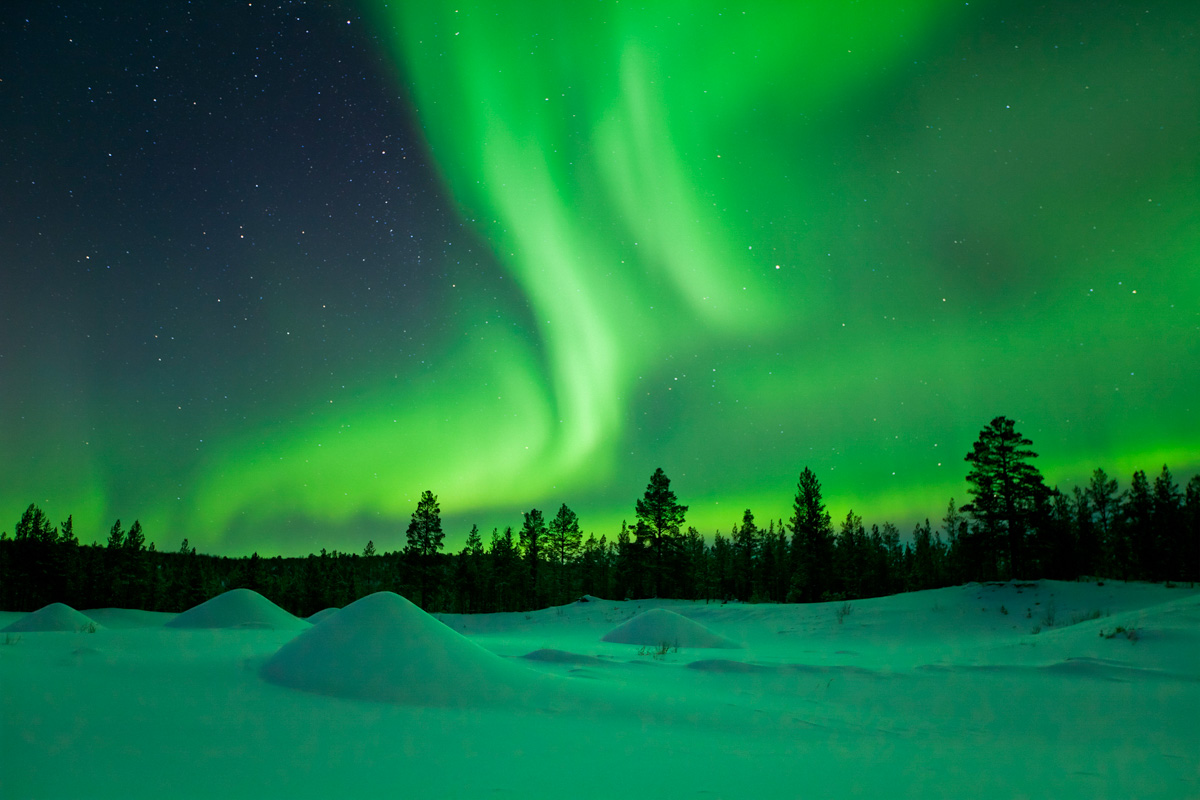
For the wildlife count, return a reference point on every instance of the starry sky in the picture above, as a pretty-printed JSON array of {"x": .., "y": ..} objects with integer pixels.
[{"x": 270, "y": 270}]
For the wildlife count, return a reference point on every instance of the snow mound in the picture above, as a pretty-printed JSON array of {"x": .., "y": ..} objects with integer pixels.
[
  {"x": 238, "y": 608},
  {"x": 324, "y": 613},
  {"x": 54, "y": 617},
  {"x": 658, "y": 626},
  {"x": 384, "y": 648}
]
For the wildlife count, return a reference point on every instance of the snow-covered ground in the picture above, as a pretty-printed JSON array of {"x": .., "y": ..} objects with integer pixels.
[{"x": 944, "y": 693}]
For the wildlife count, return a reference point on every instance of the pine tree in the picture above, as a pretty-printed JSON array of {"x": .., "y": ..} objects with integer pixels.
[
  {"x": 505, "y": 568},
  {"x": 533, "y": 534},
  {"x": 957, "y": 532},
  {"x": 424, "y": 543},
  {"x": 1087, "y": 540},
  {"x": 1169, "y": 523},
  {"x": 1137, "y": 525},
  {"x": 695, "y": 580},
  {"x": 849, "y": 557},
  {"x": 722, "y": 567},
  {"x": 564, "y": 540},
  {"x": 1058, "y": 546},
  {"x": 812, "y": 542},
  {"x": 923, "y": 574},
  {"x": 745, "y": 548},
  {"x": 1007, "y": 489},
  {"x": 67, "y": 532},
  {"x": 1191, "y": 514},
  {"x": 474, "y": 568},
  {"x": 116, "y": 536},
  {"x": 425, "y": 528},
  {"x": 591, "y": 566},
  {"x": 765, "y": 566},
  {"x": 1105, "y": 504},
  {"x": 135, "y": 540},
  {"x": 626, "y": 566},
  {"x": 661, "y": 516}
]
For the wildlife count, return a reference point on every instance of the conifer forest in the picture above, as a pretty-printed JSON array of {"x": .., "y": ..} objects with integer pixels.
[{"x": 1013, "y": 526}]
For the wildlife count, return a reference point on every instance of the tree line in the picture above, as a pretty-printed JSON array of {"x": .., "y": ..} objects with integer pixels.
[{"x": 1013, "y": 527}]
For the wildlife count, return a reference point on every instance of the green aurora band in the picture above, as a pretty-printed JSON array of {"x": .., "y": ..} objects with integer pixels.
[{"x": 758, "y": 237}]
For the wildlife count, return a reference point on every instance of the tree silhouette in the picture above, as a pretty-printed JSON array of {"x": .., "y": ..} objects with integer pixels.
[
  {"x": 812, "y": 541},
  {"x": 563, "y": 539},
  {"x": 1007, "y": 489},
  {"x": 661, "y": 515},
  {"x": 533, "y": 534},
  {"x": 424, "y": 541}
]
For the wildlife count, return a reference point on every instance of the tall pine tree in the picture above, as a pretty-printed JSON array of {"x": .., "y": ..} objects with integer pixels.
[
  {"x": 1006, "y": 489},
  {"x": 812, "y": 541},
  {"x": 661, "y": 515}
]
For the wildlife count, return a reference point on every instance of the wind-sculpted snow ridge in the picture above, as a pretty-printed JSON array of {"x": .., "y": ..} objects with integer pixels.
[
  {"x": 54, "y": 617},
  {"x": 238, "y": 608},
  {"x": 386, "y": 649},
  {"x": 658, "y": 627},
  {"x": 324, "y": 613}
]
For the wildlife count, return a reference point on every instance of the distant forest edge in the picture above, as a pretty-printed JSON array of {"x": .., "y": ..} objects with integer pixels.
[{"x": 1014, "y": 527}]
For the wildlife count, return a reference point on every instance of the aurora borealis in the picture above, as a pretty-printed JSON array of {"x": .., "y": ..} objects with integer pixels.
[{"x": 272, "y": 271}]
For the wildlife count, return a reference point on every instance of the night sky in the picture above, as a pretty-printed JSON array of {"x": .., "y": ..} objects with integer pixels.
[{"x": 271, "y": 270}]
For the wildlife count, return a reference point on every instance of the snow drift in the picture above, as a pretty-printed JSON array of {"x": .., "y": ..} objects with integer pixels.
[
  {"x": 384, "y": 648},
  {"x": 54, "y": 617},
  {"x": 659, "y": 626},
  {"x": 238, "y": 608}
]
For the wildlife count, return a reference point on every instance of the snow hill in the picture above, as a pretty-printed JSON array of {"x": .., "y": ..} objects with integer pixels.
[
  {"x": 238, "y": 608},
  {"x": 54, "y": 617},
  {"x": 386, "y": 649}
]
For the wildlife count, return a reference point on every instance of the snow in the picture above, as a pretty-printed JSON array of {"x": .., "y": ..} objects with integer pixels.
[
  {"x": 661, "y": 627},
  {"x": 322, "y": 614},
  {"x": 930, "y": 694},
  {"x": 386, "y": 649},
  {"x": 54, "y": 617},
  {"x": 238, "y": 608}
]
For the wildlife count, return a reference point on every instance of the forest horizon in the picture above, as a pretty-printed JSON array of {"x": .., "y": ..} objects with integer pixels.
[{"x": 1014, "y": 527}]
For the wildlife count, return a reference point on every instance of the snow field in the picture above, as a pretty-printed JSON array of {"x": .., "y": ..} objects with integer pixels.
[{"x": 945, "y": 693}]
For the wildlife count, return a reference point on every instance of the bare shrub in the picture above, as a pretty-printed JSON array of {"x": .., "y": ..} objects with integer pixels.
[{"x": 1049, "y": 614}]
